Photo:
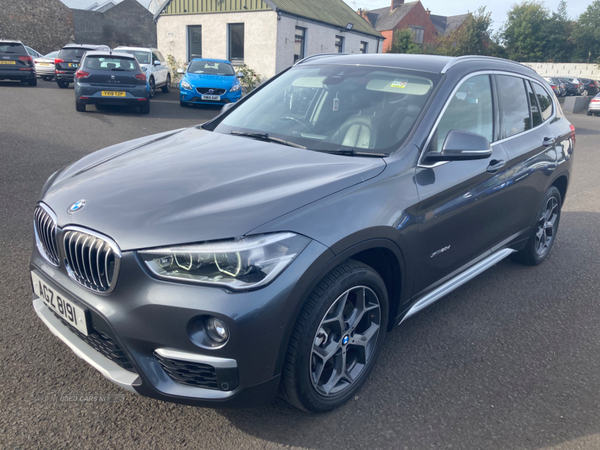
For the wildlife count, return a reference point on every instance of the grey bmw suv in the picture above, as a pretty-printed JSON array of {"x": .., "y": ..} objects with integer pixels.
[{"x": 273, "y": 248}]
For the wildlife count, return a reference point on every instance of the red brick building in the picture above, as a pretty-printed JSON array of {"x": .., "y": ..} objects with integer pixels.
[{"x": 412, "y": 16}]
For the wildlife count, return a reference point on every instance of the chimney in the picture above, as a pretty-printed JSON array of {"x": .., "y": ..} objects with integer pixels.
[
  {"x": 396, "y": 3},
  {"x": 428, "y": 12}
]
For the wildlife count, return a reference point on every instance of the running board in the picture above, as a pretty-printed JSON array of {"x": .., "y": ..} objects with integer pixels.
[{"x": 457, "y": 281}]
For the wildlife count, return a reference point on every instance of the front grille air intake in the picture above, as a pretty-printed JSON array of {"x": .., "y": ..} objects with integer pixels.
[
  {"x": 92, "y": 260},
  {"x": 189, "y": 373},
  {"x": 215, "y": 91},
  {"x": 45, "y": 233}
]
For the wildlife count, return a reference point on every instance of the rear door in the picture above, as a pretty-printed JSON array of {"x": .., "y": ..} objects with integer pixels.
[
  {"x": 13, "y": 57},
  {"x": 530, "y": 146},
  {"x": 462, "y": 212}
]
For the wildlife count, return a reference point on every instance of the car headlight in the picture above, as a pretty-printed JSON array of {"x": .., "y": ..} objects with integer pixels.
[
  {"x": 237, "y": 264},
  {"x": 235, "y": 88},
  {"x": 186, "y": 85}
]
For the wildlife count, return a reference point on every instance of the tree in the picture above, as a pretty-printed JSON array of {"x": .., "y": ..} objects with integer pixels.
[
  {"x": 525, "y": 31},
  {"x": 403, "y": 43},
  {"x": 559, "y": 45},
  {"x": 471, "y": 38},
  {"x": 587, "y": 33}
]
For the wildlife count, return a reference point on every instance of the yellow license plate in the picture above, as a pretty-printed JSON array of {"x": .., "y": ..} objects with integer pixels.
[
  {"x": 73, "y": 65},
  {"x": 113, "y": 94},
  {"x": 44, "y": 64},
  {"x": 7, "y": 62}
]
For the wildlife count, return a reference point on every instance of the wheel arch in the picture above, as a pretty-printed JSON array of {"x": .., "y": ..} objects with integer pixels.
[
  {"x": 382, "y": 254},
  {"x": 561, "y": 183}
]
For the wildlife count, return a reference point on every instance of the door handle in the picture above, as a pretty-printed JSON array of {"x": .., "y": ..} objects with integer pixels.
[
  {"x": 495, "y": 165},
  {"x": 548, "y": 142}
]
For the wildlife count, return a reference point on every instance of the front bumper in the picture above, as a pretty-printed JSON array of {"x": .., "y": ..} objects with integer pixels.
[
  {"x": 151, "y": 320},
  {"x": 193, "y": 97}
]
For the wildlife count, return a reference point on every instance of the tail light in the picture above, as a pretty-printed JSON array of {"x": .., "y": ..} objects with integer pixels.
[
  {"x": 27, "y": 59},
  {"x": 592, "y": 84},
  {"x": 141, "y": 76},
  {"x": 81, "y": 74},
  {"x": 58, "y": 60},
  {"x": 573, "y": 134}
]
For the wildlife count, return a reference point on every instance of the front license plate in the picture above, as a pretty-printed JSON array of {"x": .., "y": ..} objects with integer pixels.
[
  {"x": 7, "y": 62},
  {"x": 113, "y": 94},
  {"x": 66, "y": 309},
  {"x": 73, "y": 65},
  {"x": 211, "y": 97}
]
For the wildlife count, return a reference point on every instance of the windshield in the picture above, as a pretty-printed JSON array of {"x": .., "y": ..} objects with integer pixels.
[
  {"x": 114, "y": 62},
  {"x": 334, "y": 107},
  {"x": 142, "y": 57},
  {"x": 210, "y": 68}
]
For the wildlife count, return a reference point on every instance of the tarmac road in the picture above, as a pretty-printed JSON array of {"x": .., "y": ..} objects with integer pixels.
[{"x": 508, "y": 361}]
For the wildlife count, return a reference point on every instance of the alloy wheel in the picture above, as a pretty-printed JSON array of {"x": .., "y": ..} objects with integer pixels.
[
  {"x": 546, "y": 227},
  {"x": 151, "y": 83},
  {"x": 345, "y": 341}
]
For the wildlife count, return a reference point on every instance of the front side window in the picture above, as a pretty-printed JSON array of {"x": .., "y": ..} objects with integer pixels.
[
  {"x": 545, "y": 101},
  {"x": 471, "y": 109},
  {"x": 364, "y": 47},
  {"x": 514, "y": 105},
  {"x": 334, "y": 107},
  {"x": 155, "y": 57},
  {"x": 299, "y": 43},
  {"x": 236, "y": 42},
  {"x": 339, "y": 44}
]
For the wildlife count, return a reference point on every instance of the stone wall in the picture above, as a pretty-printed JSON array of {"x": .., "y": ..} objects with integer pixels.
[
  {"x": 128, "y": 23},
  {"x": 566, "y": 70},
  {"x": 44, "y": 25}
]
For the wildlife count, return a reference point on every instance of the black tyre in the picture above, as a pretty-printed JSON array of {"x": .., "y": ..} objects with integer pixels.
[
  {"x": 152, "y": 87},
  {"x": 167, "y": 87},
  {"x": 80, "y": 107},
  {"x": 544, "y": 230},
  {"x": 32, "y": 82},
  {"x": 145, "y": 108},
  {"x": 62, "y": 84},
  {"x": 589, "y": 113},
  {"x": 337, "y": 338}
]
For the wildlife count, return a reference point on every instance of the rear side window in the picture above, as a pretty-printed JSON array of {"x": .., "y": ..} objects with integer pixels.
[
  {"x": 471, "y": 109},
  {"x": 545, "y": 101},
  {"x": 514, "y": 105},
  {"x": 117, "y": 63},
  {"x": 72, "y": 53},
  {"x": 535, "y": 111},
  {"x": 12, "y": 48}
]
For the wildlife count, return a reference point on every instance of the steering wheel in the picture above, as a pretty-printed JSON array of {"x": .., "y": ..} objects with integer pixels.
[{"x": 294, "y": 119}]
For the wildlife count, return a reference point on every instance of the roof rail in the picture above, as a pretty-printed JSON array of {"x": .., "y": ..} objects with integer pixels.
[
  {"x": 318, "y": 55},
  {"x": 461, "y": 59}
]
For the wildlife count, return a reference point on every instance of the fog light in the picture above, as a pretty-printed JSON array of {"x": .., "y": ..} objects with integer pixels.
[{"x": 217, "y": 330}]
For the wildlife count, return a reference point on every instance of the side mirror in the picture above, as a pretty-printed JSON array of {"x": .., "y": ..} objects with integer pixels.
[
  {"x": 240, "y": 75},
  {"x": 462, "y": 145},
  {"x": 157, "y": 63},
  {"x": 180, "y": 71},
  {"x": 227, "y": 107}
]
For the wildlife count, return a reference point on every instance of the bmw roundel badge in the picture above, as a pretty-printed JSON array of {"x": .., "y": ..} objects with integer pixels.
[{"x": 78, "y": 205}]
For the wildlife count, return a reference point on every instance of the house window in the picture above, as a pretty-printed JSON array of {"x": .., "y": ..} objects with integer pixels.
[
  {"x": 364, "y": 47},
  {"x": 417, "y": 33},
  {"x": 299, "y": 45},
  {"x": 236, "y": 42},
  {"x": 194, "y": 42},
  {"x": 339, "y": 44}
]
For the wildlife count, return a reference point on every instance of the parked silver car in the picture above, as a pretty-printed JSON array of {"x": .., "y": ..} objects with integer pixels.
[
  {"x": 44, "y": 66},
  {"x": 594, "y": 106}
]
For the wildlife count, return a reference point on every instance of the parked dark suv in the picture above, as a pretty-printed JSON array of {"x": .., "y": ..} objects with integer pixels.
[
  {"x": 68, "y": 60},
  {"x": 271, "y": 250},
  {"x": 107, "y": 78},
  {"x": 15, "y": 63}
]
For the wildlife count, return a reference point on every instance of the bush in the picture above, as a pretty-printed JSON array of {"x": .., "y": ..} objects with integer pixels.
[{"x": 250, "y": 80}]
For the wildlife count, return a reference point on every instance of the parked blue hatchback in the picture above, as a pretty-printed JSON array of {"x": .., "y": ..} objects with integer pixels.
[{"x": 209, "y": 82}]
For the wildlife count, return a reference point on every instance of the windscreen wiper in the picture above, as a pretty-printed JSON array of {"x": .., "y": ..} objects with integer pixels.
[
  {"x": 353, "y": 152},
  {"x": 266, "y": 137}
]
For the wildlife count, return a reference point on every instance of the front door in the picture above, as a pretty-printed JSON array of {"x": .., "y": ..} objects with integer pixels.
[
  {"x": 194, "y": 42},
  {"x": 461, "y": 210}
]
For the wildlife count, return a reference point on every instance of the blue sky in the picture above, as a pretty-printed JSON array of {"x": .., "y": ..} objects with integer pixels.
[{"x": 498, "y": 9}]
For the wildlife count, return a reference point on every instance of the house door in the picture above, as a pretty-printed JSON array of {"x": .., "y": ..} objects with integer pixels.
[{"x": 194, "y": 42}]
